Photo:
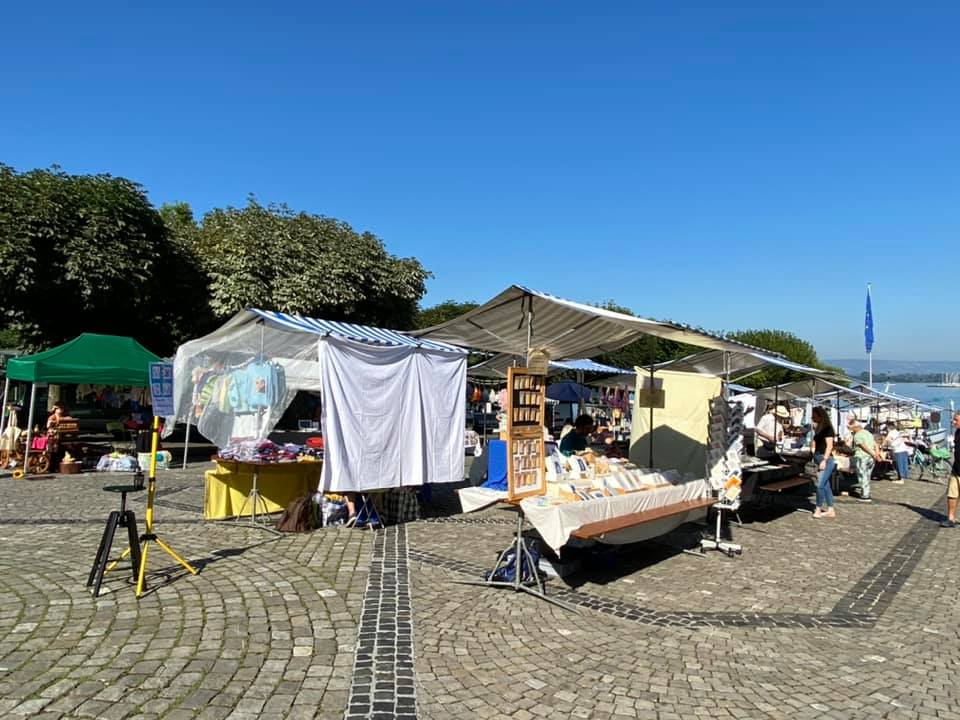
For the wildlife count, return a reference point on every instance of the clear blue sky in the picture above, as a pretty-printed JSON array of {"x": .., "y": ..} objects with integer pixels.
[{"x": 728, "y": 166}]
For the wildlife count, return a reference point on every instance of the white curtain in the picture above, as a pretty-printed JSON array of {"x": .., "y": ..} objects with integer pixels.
[{"x": 392, "y": 416}]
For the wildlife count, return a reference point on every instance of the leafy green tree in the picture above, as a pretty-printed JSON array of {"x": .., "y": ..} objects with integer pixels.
[
  {"x": 81, "y": 253},
  {"x": 788, "y": 345},
  {"x": 441, "y": 313},
  {"x": 9, "y": 338},
  {"x": 180, "y": 278},
  {"x": 272, "y": 257}
]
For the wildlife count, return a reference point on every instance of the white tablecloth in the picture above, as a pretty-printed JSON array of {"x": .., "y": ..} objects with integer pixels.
[
  {"x": 477, "y": 498},
  {"x": 555, "y": 523}
]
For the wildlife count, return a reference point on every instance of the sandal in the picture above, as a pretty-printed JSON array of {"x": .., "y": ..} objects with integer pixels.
[{"x": 831, "y": 513}]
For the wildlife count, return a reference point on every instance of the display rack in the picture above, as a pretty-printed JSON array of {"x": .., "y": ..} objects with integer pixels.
[
  {"x": 526, "y": 473},
  {"x": 724, "y": 468}
]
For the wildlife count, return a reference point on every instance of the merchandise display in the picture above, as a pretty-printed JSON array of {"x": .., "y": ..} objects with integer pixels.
[
  {"x": 117, "y": 462},
  {"x": 525, "y": 448},
  {"x": 231, "y": 400},
  {"x": 265, "y": 451},
  {"x": 724, "y": 442}
]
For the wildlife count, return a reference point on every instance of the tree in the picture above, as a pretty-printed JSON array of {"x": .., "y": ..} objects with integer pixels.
[
  {"x": 273, "y": 258},
  {"x": 181, "y": 278},
  {"x": 441, "y": 313},
  {"x": 788, "y": 345},
  {"x": 80, "y": 253}
]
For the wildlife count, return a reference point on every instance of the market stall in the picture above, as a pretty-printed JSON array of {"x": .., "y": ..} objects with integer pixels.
[
  {"x": 392, "y": 406},
  {"x": 88, "y": 358},
  {"x": 539, "y": 326}
]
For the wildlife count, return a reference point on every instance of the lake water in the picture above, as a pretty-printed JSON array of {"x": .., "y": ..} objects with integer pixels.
[{"x": 921, "y": 391}]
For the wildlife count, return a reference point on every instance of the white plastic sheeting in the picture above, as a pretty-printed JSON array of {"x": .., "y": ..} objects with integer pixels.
[
  {"x": 392, "y": 416},
  {"x": 383, "y": 392}
]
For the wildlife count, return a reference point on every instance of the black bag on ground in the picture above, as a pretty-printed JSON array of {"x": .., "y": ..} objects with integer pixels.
[
  {"x": 506, "y": 572},
  {"x": 298, "y": 517}
]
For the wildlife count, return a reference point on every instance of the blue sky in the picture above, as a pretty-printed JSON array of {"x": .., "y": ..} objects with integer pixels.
[{"x": 729, "y": 166}]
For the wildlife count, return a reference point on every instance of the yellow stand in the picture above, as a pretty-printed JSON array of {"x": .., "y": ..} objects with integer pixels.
[{"x": 149, "y": 536}]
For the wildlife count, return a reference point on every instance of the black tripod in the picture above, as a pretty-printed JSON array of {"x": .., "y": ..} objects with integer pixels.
[{"x": 123, "y": 518}]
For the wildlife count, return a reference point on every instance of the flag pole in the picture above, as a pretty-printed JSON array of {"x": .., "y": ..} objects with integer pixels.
[{"x": 868, "y": 336}]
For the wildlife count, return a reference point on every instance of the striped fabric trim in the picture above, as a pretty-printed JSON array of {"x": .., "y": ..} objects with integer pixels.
[
  {"x": 349, "y": 331},
  {"x": 586, "y": 366}
]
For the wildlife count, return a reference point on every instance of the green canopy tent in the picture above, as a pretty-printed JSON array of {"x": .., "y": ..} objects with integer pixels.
[{"x": 88, "y": 358}]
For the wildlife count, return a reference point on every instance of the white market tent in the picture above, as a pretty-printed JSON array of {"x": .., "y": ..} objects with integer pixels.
[
  {"x": 520, "y": 319},
  {"x": 393, "y": 405},
  {"x": 738, "y": 365}
]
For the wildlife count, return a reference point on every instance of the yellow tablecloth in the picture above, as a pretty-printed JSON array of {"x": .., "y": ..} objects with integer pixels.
[{"x": 227, "y": 486}]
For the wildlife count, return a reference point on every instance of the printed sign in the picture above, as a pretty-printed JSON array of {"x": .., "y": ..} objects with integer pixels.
[{"x": 161, "y": 388}]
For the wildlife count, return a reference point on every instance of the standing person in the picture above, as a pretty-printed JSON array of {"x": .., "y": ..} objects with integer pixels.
[
  {"x": 823, "y": 440},
  {"x": 865, "y": 455},
  {"x": 901, "y": 455},
  {"x": 769, "y": 431},
  {"x": 953, "y": 485}
]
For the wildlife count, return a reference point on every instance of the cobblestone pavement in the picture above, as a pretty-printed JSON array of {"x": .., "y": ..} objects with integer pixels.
[{"x": 848, "y": 618}]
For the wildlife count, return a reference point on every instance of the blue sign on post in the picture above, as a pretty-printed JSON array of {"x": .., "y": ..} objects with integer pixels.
[{"x": 161, "y": 388}]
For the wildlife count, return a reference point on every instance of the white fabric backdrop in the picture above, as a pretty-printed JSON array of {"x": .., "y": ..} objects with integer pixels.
[{"x": 392, "y": 416}]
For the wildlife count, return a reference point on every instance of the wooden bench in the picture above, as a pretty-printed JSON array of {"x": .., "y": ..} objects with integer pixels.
[
  {"x": 597, "y": 529},
  {"x": 784, "y": 484}
]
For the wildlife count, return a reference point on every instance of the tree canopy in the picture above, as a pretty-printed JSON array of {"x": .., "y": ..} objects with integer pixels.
[
  {"x": 788, "y": 345},
  {"x": 447, "y": 310},
  {"x": 272, "y": 257},
  {"x": 81, "y": 253},
  {"x": 89, "y": 253}
]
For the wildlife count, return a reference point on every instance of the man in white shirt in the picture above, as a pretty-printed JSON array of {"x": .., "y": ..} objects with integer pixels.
[
  {"x": 901, "y": 454},
  {"x": 769, "y": 432}
]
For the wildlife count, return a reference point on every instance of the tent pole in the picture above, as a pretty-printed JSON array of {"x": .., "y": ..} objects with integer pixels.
[
  {"x": 726, "y": 367},
  {"x": 776, "y": 404},
  {"x": 186, "y": 444},
  {"x": 26, "y": 451},
  {"x": 837, "y": 429},
  {"x": 580, "y": 407},
  {"x": 3, "y": 412},
  {"x": 652, "y": 341},
  {"x": 526, "y": 362}
]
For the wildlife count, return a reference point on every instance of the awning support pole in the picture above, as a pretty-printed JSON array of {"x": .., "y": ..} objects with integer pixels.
[
  {"x": 3, "y": 412},
  {"x": 26, "y": 452},
  {"x": 653, "y": 360}
]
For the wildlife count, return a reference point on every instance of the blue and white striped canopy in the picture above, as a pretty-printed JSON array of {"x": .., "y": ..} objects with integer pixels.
[{"x": 350, "y": 331}]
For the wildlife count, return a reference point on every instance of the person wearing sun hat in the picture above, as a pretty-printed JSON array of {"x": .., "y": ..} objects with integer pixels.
[{"x": 769, "y": 431}]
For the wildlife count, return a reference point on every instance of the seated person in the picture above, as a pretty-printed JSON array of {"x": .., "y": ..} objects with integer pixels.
[
  {"x": 579, "y": 439},
  {"x": 59, "y": 412}
]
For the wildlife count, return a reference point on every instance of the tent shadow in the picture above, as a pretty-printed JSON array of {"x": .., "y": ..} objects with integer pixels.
[
  {"x": 441, "y": 501},
  {"x": 604, "y": 564},
  {"x": 671, "y": 449},
  {"x": 171, "y": 571}
]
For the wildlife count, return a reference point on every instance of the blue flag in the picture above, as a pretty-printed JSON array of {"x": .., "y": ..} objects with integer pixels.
[{"x": 868, "y": 325}]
